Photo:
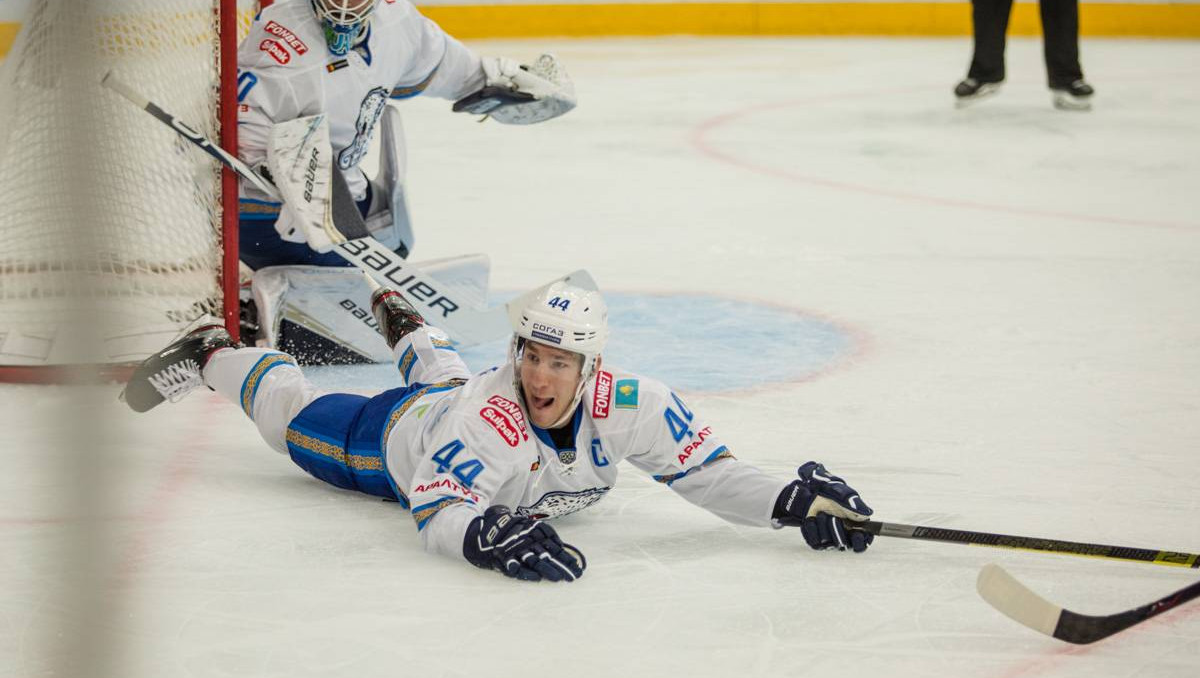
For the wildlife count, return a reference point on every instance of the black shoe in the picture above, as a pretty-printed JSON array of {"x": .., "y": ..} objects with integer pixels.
[
  {"x": 971, "y": 90},
  {"x": 1076, "y": 96},
  {"x": 174, "y": 371},
  {"x": 248, "y": 321},
  {"x": 396, "y": 317}
]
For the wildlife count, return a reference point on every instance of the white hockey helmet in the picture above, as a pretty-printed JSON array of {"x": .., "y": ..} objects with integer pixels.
[
  {"x": 343, "y": 21},
  {"x": 566, "y": 317}
]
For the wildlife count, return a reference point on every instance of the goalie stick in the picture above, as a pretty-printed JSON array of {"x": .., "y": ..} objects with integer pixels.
[
  {"x": 1012, "y": 598},
  {"x": 1007, "y": 541},
  {"x": 441, "y": 305}
]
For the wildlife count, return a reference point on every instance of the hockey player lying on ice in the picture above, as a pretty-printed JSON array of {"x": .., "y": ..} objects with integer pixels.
[{"x": 481, "y": 461}]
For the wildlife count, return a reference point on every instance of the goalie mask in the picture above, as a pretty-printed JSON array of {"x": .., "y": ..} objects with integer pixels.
[
  {"x": 344, "y": 22},
  {"x": 566, "y": 318}
]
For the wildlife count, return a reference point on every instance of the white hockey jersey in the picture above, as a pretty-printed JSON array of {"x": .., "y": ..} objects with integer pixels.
[
  {"x": 475, "y": 447},
  {"x": 287, "y": 72}
]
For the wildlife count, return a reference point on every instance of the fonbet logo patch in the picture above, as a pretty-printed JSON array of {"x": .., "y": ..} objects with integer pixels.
[
  {"x": 284, "y": 33},
  {"x": 602, "y": 395}
]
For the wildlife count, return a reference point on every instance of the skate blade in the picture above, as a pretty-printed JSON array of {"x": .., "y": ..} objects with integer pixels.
[
  {"x": 1066, "y": 102},
  {"x": 985, "y": 92}
]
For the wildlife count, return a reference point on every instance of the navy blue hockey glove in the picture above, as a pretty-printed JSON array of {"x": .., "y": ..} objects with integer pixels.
[
  {"x": 520, "y": 547},
  {"x": 819, "y": 503}
]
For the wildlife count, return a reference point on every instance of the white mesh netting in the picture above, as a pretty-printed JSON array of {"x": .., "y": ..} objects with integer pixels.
[{"x": 106, "y": 212}]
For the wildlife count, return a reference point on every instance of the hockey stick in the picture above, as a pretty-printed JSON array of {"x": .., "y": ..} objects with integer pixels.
[
  {"x": 1003, "y": 592},
  {"x": 442, "y": 307},
  {"x": 1071, "y": 548}
]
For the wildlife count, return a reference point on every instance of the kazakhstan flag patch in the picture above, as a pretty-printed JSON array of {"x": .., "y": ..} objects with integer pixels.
[{"x": 627, "y": 394}]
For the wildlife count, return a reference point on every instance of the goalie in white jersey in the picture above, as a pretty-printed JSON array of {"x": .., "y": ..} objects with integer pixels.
[
  {"x": 481, "y": 461},
  {"x": 345, "y": 59}
]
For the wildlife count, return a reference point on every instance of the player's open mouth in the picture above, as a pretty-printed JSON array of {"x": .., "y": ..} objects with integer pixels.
[{"x": 541, "y": 403}]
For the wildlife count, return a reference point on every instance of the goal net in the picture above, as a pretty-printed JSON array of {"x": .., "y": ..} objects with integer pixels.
[{"x": 111, "y": 223}]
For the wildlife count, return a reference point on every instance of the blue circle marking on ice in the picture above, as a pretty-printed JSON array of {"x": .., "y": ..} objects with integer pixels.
[
  {"x": 707, "y": 343},
  {"x": 691, "y": 342}
]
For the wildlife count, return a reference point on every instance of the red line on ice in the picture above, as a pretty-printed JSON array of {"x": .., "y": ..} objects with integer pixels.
[{"x": 699, "y": 138}]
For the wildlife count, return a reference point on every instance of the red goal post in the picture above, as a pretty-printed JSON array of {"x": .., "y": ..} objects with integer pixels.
[{"x": 116, "y": 234}]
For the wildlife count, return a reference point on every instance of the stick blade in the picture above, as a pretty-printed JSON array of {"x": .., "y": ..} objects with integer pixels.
[
  {"x": 114, "y": 83},
  {"x": 1013, "y": 599}
]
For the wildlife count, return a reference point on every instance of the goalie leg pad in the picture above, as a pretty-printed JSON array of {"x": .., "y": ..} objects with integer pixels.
[{"x": 320, "y": 315}]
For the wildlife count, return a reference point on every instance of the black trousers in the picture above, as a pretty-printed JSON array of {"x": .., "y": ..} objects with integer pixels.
[{"x": 1060, "y": 28}]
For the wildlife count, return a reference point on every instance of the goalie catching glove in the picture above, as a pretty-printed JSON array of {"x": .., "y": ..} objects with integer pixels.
[
  {"x": 521, "y": 94},
  {"x": 819, "y": 503},
  {"x": 520, "y": 547},
  {"x": 300, "y": 160}
]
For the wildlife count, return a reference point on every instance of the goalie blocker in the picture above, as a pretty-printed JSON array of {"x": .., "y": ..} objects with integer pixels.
[{"x": 300, "y": 162}]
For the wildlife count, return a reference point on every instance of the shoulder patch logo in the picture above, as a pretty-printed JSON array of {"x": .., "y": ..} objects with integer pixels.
[
  {"x": 503, "y": 425},
  {"x": 507, "y": 418},
  {"x": 277, "y": 51},
  {"x": 602, "y": 396},
  {"x": 284, "y": 33},
  {"x": 627, "y": 394},
  {"x": 513, "y": 411}
]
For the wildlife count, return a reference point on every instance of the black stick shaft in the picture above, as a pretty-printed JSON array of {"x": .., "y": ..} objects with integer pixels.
[
  {"x": 1007, "y": 541},
  {"x": 229, "y": 160},
  {"x": 1081, "y": 628}
]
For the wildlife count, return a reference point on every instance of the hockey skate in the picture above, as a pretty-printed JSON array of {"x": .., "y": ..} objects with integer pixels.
[
  {"x": 174, "y": 371},
  {"x": 1076, "y": 96},
  {"x": 970, "y": 91},
  {"x": 396, "y": 317}
]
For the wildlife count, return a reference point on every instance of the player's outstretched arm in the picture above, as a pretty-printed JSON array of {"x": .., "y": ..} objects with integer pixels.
[
  {"x": 520, "y": 547},
  {"x": 819, "y": 503}
]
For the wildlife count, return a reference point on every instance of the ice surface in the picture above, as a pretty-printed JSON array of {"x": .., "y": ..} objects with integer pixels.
[{"x": 1019, "y": 287}]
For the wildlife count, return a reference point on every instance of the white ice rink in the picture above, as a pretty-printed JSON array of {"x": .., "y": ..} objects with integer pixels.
[{"x": 1018, "y": 294}]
